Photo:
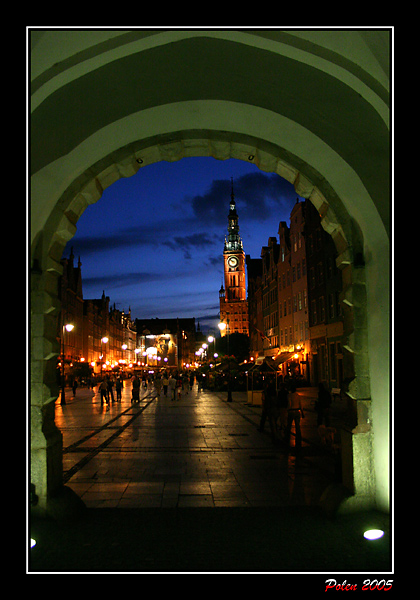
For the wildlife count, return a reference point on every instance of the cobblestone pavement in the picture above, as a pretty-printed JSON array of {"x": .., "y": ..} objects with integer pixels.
[
  {"x": 202, "y": 490},
  {"x": 196, "y": 451}
]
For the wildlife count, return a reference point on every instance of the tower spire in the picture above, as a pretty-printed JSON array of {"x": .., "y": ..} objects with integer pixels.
[{"x": 233, "y": 242}]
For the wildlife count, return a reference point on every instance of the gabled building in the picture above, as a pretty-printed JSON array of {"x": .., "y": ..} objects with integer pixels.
[
  {"x": 325, "y": 313},
  {"x": 299, "y": 290},
  {"x": 270, "y": 256},
  {"x": 255, "y": 310},
  {"x": 284, "y": 281},
  {"x": 96, "y": 329},
  {"x": 71, "y": 296}
]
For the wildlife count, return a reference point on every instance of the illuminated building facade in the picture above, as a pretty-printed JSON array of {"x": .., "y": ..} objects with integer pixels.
[
  {"x": 165, "y": 342},
  {"x": 232, "y": 297}
]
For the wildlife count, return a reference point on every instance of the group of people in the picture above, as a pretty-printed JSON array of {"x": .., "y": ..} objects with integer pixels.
[
  {"x": 106, "y": 389},
  {"x": 173, "y": 384},
  {"x": 282, "y": 407}
]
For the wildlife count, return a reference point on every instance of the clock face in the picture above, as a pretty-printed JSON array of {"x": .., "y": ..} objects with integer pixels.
[{"x": 233, "y": 261}]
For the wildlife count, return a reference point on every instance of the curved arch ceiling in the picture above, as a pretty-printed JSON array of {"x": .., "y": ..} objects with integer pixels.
[{"x": 217, "y": 70}]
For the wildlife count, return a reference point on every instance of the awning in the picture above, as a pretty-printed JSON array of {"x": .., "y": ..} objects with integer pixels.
[
  {"x": 282, "y": 358},
  {"x": 263, "y": 364}
]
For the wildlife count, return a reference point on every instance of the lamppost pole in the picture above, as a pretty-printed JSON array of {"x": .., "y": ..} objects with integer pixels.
[
  {"x": 104, "y": 340},
  {"x": 66, "y": 327},
  {"x": 222, "y": 326}
]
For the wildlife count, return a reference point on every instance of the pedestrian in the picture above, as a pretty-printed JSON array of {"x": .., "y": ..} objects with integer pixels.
[
  {"x": 185, "y": 382},
  {"x": 268, "y": 408},
  {"x": 281, "y": 406},
  {"x": 103, "y": 388},
  {"x": 165, "y": 383},
  {"x": 118, "y": 387},
  {"x": 110, "y": 383},
  {"x": 74, "y": 386},
  {"x": 179, "y": 386},
  {"x": 144, "y": 380},
  {"x": 172, "y": 387},
  {"x": 294, "y": 413},
  {"x": 322, "y": 405},
  {"x": 199, "y": 378},
  {"x": 191, "y": 380},
  {"x": 135, "y": 392},
  {"x": 157, "y": 384}
]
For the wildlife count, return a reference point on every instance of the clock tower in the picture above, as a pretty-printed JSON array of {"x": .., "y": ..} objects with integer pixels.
[{"x": 233, "y": 302}]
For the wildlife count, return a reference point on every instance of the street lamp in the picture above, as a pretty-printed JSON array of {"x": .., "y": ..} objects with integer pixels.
[
  {"x": 66, "y": 327},
  {"x": 104, "y": 340}
]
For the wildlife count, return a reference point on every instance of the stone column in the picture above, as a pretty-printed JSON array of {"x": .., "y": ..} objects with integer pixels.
[{"x": 46, "y": 440}]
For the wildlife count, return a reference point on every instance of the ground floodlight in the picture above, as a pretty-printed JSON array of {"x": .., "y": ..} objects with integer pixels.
[{"x": 373, "y": 534}]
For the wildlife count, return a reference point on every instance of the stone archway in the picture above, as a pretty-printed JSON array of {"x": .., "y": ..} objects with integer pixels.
[
  {"x": 48, "y": 463},
  {"x": 76, "y": 163}
]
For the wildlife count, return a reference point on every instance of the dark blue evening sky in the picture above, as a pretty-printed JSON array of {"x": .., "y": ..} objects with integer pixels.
[{"x": 154, "y": 241}]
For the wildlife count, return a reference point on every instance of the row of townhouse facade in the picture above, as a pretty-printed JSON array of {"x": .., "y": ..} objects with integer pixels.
[
  {"x": 101, "y": 337},
  {"x": 294, "y": 300}
]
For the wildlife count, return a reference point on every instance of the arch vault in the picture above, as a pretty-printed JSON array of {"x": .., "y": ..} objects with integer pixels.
[{"x": 311, "y": 106}]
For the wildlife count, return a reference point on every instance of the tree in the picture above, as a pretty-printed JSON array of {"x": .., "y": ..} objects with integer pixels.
[{"x": 238, "y": 346}]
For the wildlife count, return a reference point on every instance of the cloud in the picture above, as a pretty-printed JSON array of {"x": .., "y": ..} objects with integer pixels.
[
  {"x": 187, "y": 243},
  {"x": 139, "y": 235},
  {"x": 258, "y": 196},
  {"x": 120, "y": 280}
]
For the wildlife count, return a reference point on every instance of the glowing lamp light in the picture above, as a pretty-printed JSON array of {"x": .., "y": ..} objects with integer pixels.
[
  {"x": 33, "y": 542},
  {"x": 373, "y": 534}
]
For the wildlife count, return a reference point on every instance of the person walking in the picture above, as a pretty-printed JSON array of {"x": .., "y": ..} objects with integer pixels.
[
  {"x": 294, "y": 413},
  {"x": 165, "y": 383},
  {"x": 103, "y": 388},
  {"x": 322, "y": 405},
  {"x": 199, "y": 378},
  {"x": 110, "y": 383},
  {"x": 268, "y": 408},
  {"x": 135, "y": 392},
  {"x": 144, "y": 380},
  {"x": 281, "y": 406},
  {"x": 179, "y": 385},
  {"x": 118, "y": 387},
  {"x": 172, "y": 387},
  {"x": 157, "y": 382}
]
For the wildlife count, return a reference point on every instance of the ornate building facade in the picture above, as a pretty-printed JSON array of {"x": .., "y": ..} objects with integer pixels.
[{"x": 233, "y": 300}]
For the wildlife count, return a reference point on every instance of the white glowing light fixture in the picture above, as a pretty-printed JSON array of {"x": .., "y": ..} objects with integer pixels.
[
  {"x": 373, "y": 534},
  {"x": 33, "y": 542}
]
